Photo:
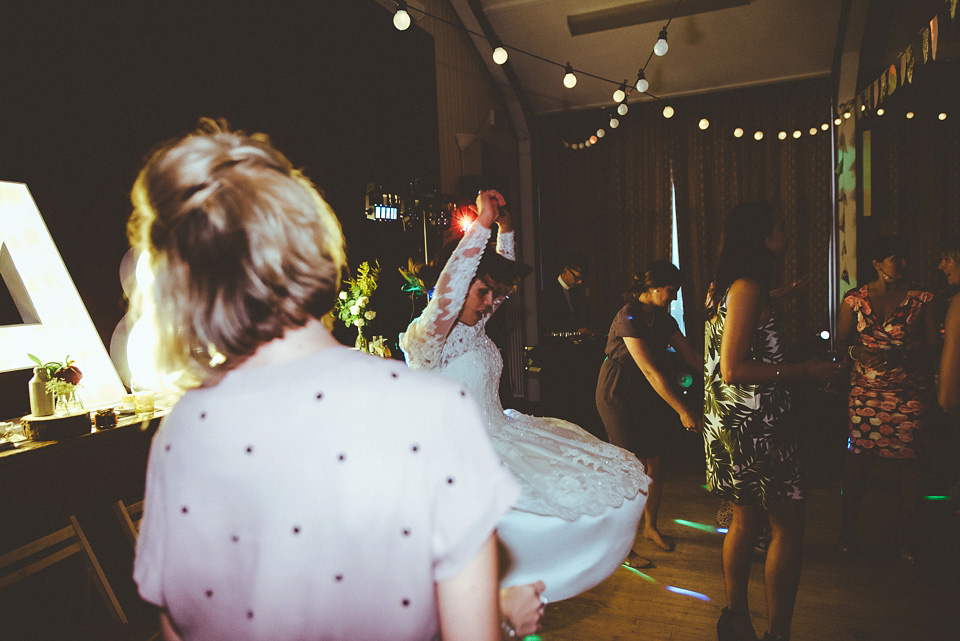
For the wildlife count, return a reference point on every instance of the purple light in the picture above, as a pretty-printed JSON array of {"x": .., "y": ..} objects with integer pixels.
[{"x": 695, "y": 595}]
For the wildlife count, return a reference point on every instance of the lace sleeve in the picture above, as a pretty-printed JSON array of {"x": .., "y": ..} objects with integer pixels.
[
  {"x": 506, "y": 247},
  {"x": 423, "y": 341}
]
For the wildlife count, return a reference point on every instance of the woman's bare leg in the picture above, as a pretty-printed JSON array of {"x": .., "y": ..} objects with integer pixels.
[
  {"x": 652, "y": 508},
  {"x": 737, "y": 559},
  {"x": 782, "y": 568}
]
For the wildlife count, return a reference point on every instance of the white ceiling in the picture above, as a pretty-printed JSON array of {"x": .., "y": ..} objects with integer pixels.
[{"x": 758, "y": 42}]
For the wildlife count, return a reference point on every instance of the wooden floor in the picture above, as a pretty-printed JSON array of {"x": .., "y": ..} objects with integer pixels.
[{"x": 871, "y": 597}]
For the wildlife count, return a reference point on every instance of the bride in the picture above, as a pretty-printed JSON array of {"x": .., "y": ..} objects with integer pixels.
[{"x": 581, "y": 498}]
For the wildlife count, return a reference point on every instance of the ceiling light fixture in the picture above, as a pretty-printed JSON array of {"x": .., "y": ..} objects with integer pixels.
[
  {"x": 500, "y": 54},
  {"x": 738, "y": 132},
  {"x": 620, "y": 93},
  {"x": 622, "y": 109},
  {"x": 401, "y": 19},
  {"x": 661, "y": 47},
  {"x": 614, "y": 123},
  {"x": 642, "y": 84},
  {"x": 668, "y": 112},
  {"x": 569, "y": 80},
  {"x": 758, "y": 135}
]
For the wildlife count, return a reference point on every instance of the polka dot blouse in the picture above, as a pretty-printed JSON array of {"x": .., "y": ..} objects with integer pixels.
[{"x": 320, "y": 498}]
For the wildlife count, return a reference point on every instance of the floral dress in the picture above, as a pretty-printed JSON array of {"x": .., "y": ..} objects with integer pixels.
[
  {"x": 888, "y": 403},
  {"x": 751, "y": 451}
]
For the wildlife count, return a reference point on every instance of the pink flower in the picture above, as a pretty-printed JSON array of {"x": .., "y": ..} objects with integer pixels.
[
  {"x": 872, "y": 403},
  {"x": 896, "y": 419},
  {"x": 875, "y": 421},
  {"x": 914, "y": 405},
  {"x": 861, "y": 325},
  {"x": 886, "y": 429},
  {"x": 906, "y": 426},
  {"x": 865, "y": 443},
  {"x": 883, "y": 442},
  {"x": 865, "y": 411},
  {"x": 855, "y": 420},
  {"x": 855, "y": 433},
  {"x": 906, "y": 437},
  {"x": 888, "y": 406}
]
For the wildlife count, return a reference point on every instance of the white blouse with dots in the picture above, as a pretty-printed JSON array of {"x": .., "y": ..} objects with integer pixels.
[{"x": 316, "y": 499}]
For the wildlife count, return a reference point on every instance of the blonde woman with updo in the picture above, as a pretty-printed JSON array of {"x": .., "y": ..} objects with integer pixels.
[{"x": 294, "y": 491}]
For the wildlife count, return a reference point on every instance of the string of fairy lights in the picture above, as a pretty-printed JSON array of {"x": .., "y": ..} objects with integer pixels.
[{"x": 501, "y": 54}]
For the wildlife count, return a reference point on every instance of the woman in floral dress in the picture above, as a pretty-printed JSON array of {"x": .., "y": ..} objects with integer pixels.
[
  {"x": 889, "y": 331},
  {"x": 751, "y": 450}
]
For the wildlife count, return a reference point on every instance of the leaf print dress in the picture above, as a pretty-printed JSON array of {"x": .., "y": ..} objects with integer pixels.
[
  {"x": 888, "y": 403},
  {"x": 751, "y": 451}
]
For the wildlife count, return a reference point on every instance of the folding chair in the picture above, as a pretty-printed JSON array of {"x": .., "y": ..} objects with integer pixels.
[
  {"x": 130, "y": 516},
  {"x": 51, "y": 549}
]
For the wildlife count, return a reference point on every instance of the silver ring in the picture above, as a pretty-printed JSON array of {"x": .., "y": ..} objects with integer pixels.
[{"x": 544, "y": 600}]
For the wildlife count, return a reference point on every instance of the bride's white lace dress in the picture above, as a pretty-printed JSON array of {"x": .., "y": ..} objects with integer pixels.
[{"x": 581, "y": 498}]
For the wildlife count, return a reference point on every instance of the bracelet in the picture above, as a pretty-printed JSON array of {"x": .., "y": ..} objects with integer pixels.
[
  {"x": 850, "y": 353},
  {"x": 507, "y": 629}
]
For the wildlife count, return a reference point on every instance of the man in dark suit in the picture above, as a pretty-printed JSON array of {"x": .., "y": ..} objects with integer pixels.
[
  {"x": 562, "y": 305},
  {"x": 569, "y": 354}
]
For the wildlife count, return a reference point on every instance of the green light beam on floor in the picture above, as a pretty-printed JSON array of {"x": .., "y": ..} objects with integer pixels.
[
  {"x": 697, "y": 526},
  {"x": 639, "y": 573}
]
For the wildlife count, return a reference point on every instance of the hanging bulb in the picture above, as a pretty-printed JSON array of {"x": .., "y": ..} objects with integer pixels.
[
  {"x": 703, "y": 124},
  {"x": 909, "y": 115},
  {"x": 661, "y": 47},
  {"x": 642, "y": 84},
  {"x": 942, "y": 115},
  {"x": 569, "y": 80},
  {"x": 738, "y": 133},
  {"x": 614, "y": 123},
  {"x": 620, "y": 93},
  {"x": 782, "y": 135},
  {"x": 401, "y": 19},
  {"x": 593, "y": 140},
  {"x": 668, "y": 112},
  {"x": 601, "y": 133},
  {"x": 622, "y": 109},
  {"x": 837, "y": 121},
  {"x": 758, "y": 135},
  {"x": 813, "y": 131},
  {"x": 500, "y": 54},
  {"x": 880, "y": 112},
  {"x": 824, "y": 127},
  {"x": 846, "y": 115}
]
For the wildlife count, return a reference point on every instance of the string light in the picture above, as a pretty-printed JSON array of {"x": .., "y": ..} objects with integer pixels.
[
  {"x": 601, "y": 133},
  {"x": 642, "y": 84},
  {"x": 593, "y": 140},
  {"x": 846, "y": 115},
  {"x": 614, "y": 123},
  {"x": 661, "y": 47},
  {"x": 782, "y": 135},
  {"x": 703, "y": 124},
  {"x": 909, "y": 115},
  {"x": 622, "y": 109},
  {"x": 500, "y": 54},
  {"x": 401, "y": 19},
  {"x": 668, "y": 112},
  {"x": 813, "y": 131},
  {"x": 758, "y": 135},
  {"x": 621, "y": 92},
  {"x": 738, "y": 133},
  {"x": 569, "y": 80},
  {"x": 824, "y": 126},
  {"x": 880, "y": 112},
  {"x": 942, "y": 115},
  {"x": 797, "y": 133},
  {"x": 837, "y": 121}
]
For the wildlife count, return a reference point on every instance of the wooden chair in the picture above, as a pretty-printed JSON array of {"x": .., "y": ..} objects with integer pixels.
[
  {"x": 130, "y": 516},
  {"x": 53, "y": 548}
]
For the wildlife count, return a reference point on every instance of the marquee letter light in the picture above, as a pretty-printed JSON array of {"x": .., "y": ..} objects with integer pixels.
[{"x": 55, "y": 321}]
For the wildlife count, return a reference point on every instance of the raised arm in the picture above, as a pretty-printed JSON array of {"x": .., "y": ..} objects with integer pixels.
[
  {"x": 423, "y": 341},
  {"x": 644, "y": 359}
]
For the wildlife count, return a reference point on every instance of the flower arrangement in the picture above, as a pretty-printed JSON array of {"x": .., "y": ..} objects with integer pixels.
[{"x": 351, "y": 306}]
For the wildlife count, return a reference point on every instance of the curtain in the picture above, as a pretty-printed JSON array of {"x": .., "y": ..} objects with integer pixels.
[
  {"x": 609, "y": 202},
  {"x": 718, "y": 171}
]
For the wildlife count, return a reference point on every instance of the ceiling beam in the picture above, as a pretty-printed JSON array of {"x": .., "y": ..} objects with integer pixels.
[{"x": 658, "y": 11}]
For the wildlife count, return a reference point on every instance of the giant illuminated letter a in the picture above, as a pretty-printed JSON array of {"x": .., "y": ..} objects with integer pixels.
[{"x": 55, "y": 320}]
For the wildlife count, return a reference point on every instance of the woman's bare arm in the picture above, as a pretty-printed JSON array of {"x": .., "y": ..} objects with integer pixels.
[{"x": 468, "y": 604}]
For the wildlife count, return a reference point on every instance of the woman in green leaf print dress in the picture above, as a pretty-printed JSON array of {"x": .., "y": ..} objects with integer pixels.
[{"x": 750, "y": 449}]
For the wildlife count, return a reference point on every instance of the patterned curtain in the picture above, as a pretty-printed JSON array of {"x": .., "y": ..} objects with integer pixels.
[
  {"x": 609, "y": 202},
  {"x": 718, "y": 170},
  {"x": 915, "y": 165}
]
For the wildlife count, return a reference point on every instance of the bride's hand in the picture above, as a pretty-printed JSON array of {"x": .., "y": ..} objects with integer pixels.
[{"x": 489, "y": 202}]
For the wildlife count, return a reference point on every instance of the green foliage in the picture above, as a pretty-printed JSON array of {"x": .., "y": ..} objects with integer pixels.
[{"x": 352, "y": 305}]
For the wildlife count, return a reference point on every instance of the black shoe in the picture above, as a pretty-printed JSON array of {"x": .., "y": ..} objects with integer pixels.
[
  {"x": 725, "y": 630},
  {"x": 769, "y": 637}
]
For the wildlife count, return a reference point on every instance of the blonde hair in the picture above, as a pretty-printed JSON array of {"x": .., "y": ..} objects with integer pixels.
[{"x": 241, "y": 244}]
